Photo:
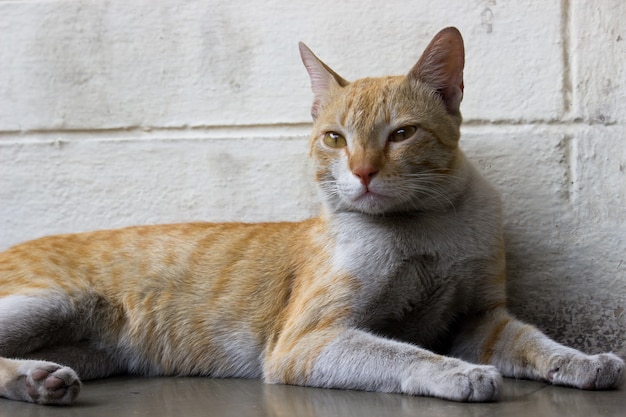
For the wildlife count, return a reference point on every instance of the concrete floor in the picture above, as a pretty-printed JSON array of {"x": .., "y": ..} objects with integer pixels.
[{"x": 189, "y": 397}]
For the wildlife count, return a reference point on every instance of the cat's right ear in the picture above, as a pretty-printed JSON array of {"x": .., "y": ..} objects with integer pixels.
[{"x": 323, "y": 79}]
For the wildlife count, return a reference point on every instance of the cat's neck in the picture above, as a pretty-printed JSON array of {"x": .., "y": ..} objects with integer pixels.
[{"x": 473, "y": 204}]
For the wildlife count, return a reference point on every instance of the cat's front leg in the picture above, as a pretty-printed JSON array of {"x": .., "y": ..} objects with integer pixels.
[
  {"x": 521, "y": 351},
  {"x": 354, "y": 359}
]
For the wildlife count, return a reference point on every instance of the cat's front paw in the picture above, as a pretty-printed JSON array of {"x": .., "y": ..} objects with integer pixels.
[
  {"x": 48, "y": 383},
  {"x": 595, "y": 372},
  {"x": 460, "y": 381}
]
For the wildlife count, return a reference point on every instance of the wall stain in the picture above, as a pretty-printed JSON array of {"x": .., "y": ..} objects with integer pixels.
[{"x": 486, "y": 15}]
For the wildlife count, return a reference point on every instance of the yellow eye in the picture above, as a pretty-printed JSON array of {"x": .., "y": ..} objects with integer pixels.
[
  {"x": 403, "y": 133},
  {"x": 335, "y": 140}
]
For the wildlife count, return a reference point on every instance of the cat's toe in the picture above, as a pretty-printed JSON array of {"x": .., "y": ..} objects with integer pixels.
[
  {"x": 48, "y": 383},
  {"x": 463, "y": 382},
  {"x": 472, "y": 383},
  {"x": 485, "y": 382},
  {"x": 609, "y": 372},
  {"x": 597, "y": 372}
]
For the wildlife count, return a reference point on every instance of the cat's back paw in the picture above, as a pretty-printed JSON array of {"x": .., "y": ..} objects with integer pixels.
[
  {"x": 594, "y": 372},
  {"x": 48, "y": 383},
  {"x": 463, "y": 382}
]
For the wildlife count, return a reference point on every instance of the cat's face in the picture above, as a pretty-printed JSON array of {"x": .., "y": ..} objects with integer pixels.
[{"x": 384, "y": 145}]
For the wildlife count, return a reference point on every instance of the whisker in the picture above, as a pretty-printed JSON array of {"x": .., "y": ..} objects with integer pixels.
[{"x": 436, "y": 187}]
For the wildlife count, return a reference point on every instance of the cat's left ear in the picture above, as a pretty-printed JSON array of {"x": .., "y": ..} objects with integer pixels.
[
  {"x": 441, "y": 67},
  {"x": 323, "y": 79}
]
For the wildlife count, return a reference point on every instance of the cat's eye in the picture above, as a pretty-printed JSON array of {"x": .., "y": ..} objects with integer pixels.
[
  {"x": 403, "y": 133},
  {"x": 335, "y": 140}
]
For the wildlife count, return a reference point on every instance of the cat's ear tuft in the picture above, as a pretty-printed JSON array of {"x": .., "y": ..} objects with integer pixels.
[
  {"x": 323, "y": 79},
  {"x": 441, "y": 67}
]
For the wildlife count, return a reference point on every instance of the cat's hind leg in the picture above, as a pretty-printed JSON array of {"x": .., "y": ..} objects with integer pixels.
[
  {"x": 28, "y": 324},
  {"x": 31, "y": 322},
  {"x": 521, "y": 351},
  {"x": 39, "y": 336}
]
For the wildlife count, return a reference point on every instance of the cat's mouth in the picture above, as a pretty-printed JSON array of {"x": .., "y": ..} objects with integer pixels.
[
  {"x": 367, "y": 193},
  {"x": 372, "y": 199}
]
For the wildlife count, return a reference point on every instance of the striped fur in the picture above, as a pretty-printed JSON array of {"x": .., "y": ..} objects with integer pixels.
[{"x": 397, "y": 286}]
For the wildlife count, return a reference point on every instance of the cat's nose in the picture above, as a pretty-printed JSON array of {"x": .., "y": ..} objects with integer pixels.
[{"x": 365, "y": 174}]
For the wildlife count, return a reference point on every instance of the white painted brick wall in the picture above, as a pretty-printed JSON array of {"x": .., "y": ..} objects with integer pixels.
[{"x": 117, "y": 113}]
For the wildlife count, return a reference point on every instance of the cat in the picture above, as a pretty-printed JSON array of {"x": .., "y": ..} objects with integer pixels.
[{"x": 397, "y": 286}]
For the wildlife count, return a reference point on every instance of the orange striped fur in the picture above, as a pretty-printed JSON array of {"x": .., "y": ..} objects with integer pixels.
[{"x": 397, "y": 286}]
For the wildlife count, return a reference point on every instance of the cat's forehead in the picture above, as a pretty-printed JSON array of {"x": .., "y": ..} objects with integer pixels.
[
  {"x": 369, "y": 102},
  {"x": 371, "y": 93}
]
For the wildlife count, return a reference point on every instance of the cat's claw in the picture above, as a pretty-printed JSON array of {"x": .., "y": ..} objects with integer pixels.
[
  {"x": 49, "y": 383},
  {"x": 597, "y": 372}
]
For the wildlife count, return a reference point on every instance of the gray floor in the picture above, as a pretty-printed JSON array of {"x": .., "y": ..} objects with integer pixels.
[{"x": 189, "y": 397}]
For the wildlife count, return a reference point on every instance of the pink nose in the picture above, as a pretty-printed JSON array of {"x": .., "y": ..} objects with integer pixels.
[{"x": 365, "y": 174}]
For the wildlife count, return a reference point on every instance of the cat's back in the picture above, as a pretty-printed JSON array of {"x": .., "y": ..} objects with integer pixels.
[{"x": 134, "y": 256}]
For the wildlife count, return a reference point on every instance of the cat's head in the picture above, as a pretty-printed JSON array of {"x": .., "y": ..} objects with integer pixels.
[{"x": 390, "y": 144}]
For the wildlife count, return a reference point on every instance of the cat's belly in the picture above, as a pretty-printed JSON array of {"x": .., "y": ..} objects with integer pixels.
[{"x": 233, "y": 353}]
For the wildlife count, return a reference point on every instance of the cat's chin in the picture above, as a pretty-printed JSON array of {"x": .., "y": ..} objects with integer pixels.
[
  {"x": 375, "y": 204},
  {"x": 370, "y": 203}
]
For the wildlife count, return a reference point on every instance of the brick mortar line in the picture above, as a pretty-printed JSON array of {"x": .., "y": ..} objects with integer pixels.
[
  {"x": 566, "y": 57},
  {"x": 285, "y": 129}
]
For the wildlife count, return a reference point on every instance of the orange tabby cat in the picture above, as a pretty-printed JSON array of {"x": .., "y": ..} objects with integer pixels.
[{"x": 405, "y": 264}]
